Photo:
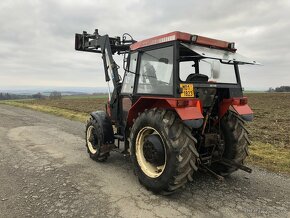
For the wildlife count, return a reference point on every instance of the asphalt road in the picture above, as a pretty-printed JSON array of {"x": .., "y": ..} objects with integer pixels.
[{"x": 45, "y": 171}]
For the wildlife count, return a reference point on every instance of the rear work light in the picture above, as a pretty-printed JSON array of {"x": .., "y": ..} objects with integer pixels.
[
  {"x": 231, "y": 45},
  {"x": 194, "y": 38},
  {"x": 201, "y": 40}
]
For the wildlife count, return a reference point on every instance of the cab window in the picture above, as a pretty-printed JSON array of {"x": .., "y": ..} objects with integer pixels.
[
  {"x": 129, "y": 77},
  {"x": 156, "y": 71}
]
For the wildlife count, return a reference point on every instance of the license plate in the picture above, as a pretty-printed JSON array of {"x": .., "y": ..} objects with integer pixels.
[{"x": 187, "y": 90}]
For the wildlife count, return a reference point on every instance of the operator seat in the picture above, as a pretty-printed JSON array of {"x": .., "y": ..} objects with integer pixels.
[{"x": 194, "y": 77}]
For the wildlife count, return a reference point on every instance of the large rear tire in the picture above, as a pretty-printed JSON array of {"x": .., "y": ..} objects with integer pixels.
[
  {"x": 162, "y": 151},
  {"x": 236, "y": 143}
]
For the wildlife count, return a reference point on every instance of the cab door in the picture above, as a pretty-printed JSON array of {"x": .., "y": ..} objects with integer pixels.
[{"x": 128, "y": 85}]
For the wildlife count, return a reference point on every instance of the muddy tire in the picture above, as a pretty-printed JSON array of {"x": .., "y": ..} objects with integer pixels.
[
  {"x": 236, "y": 143},
  {"x": 162, "y": 151},
  {"x": 94, "y": 140}
]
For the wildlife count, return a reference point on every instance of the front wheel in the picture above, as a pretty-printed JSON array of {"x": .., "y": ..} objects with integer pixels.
[
  {"x": 162, "y": 151},
  {"x": 94, "y": 140}
]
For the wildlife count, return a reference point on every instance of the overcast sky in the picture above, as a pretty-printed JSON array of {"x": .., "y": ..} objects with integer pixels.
[{"x": 37, "y": 37}]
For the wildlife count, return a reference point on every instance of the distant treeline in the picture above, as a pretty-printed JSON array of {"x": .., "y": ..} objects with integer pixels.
[
  {"x": 10, "y": 96},
  {"x": 280, "y": 89}
]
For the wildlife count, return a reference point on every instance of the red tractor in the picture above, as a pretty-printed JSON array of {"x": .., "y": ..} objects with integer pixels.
[{"x": 178, "y": 109}]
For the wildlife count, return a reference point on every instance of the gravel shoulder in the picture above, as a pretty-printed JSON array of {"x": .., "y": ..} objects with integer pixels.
[{"x": 45, "y": 171}]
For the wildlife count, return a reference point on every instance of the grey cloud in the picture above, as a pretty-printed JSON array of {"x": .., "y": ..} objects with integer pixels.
[{"x": 37, "y": 37}]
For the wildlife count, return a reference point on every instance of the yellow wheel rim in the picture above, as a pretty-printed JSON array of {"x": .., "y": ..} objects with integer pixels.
[
  {"x": 151, "y": 170},
  {"x": 90, "y": 138}
]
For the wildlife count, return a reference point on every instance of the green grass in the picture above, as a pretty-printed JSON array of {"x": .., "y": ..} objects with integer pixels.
[
  {"x": 85, "y": 96},
  {"x": 69, "y": 114},
  {"x": 268, "y": 156}
]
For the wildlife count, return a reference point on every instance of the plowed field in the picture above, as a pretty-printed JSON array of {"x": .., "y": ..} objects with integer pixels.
[{"x": 271, "y": 124}]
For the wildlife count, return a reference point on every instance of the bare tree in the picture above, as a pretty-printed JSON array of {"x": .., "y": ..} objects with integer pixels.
[
  {"x": 55, "y": 95},
  {"x": 38, "y": 96}
]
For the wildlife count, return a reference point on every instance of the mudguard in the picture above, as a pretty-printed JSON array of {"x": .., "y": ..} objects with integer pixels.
[
  {"x": 238, "y": 105},
  {"x": 106, "y": 126},
  {"x": 245, "y": 111},
  {"x": 188, "y": 109}
]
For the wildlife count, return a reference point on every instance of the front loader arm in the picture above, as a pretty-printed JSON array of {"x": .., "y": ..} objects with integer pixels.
[{"x": 107, "y": 46}]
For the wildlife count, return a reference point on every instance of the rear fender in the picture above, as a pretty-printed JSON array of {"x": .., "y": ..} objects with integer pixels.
[
  {"x": 238, "y": 105},
  {"x": 188, "y": 109}
]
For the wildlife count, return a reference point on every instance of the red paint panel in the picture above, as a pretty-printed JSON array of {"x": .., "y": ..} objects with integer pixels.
[
  {"x": 108, "y": 108},
  {"x": 211, "y": 42},
  {"x": 243, "y": 109},
  {"x": 161, "y": 39},
  {"x": 127, "y": 103},
  {"x": 181, "y": 36},
  {"x": 239, "y": 105},
  {"x": 189, "y": 113}
]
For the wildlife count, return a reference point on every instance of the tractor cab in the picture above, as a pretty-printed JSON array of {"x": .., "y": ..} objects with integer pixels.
[{"x": 181, "y": 65}]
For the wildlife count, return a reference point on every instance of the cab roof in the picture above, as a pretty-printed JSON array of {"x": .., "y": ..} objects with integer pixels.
[{"x": 186, "y": 38}]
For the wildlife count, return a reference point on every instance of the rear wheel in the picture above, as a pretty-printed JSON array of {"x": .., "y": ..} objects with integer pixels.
[
  {"x": 94, "y": 141},
  {"x": 236, "y": 143},
  {"x": 162, "y": 151}
]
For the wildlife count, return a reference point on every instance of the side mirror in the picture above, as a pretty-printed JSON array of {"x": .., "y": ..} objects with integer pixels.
[{"x": 163, "y": 60}]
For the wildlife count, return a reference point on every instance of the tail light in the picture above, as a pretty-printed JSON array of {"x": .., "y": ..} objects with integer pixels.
[
  {"x": 189, "y": 103},
  {"x": 182, "y": 103},
  {"x": 244, "y": 101}
]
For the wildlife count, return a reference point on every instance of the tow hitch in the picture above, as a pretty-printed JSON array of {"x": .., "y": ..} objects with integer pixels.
[{"x": 232, "y": 163}]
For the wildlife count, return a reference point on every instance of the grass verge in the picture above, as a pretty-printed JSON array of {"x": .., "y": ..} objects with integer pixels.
[
  {"x": 268, "y": 156},
  {"x": 72, "y": 115}
]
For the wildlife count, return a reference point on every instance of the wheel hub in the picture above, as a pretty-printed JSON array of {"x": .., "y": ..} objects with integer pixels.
[{"x": 153, "y": 150}]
